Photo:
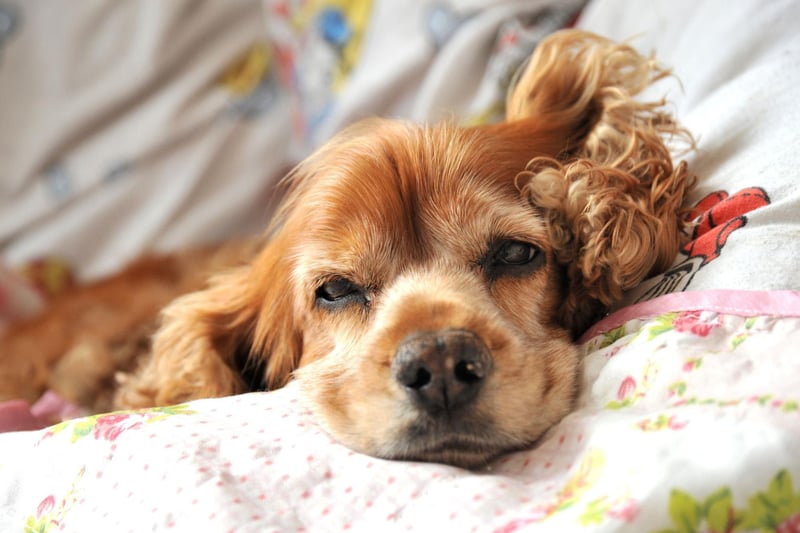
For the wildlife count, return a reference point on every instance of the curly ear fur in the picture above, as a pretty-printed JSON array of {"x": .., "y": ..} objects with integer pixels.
[
  {"x": 612, "y": 196},
  {"x": 209, "y": 339}
]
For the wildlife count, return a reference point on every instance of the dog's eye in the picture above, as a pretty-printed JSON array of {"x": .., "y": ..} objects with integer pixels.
[
  {"x": 512, "y": 258},
  {"x": 339, "y": 292},
  {"x": 515, "y": 253}
]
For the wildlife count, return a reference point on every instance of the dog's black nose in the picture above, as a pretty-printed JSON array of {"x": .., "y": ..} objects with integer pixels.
[{"x": 442, "y": 370}]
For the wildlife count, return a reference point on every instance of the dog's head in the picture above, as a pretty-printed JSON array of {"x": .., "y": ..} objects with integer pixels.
[
  {"x": 425, "y": 284},
  {"x": 425, "y": 294}
]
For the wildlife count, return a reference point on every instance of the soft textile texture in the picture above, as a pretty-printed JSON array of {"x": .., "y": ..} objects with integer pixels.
[{"x": 688, "y": 419}]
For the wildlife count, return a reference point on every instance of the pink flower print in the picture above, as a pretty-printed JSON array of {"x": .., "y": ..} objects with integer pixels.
[
  {"x": 46, "y": 505},
  {"x": 790, "y": 525},
  {"x": 514, "y": 525},
  {"x": 626, "y": 388},
  {"x": 674, "y": 423},
  {"x": 625, "y": 511},
  {"x": 109, "y": 427},
  {"x": 613, "y": 351},
  {"x": 691, "y": 322}
]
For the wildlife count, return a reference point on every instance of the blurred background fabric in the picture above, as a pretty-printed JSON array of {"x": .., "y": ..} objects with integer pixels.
[{"x": 131, "y": 126}]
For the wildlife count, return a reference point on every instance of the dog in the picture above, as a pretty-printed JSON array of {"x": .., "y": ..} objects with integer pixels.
[
  {"x": 89, "y": 335},
  {"x": 426, "y": 284}
]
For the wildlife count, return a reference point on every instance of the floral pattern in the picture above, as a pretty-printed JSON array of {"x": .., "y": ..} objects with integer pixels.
[
  {"x": 661, "y": 422},
  {"x": 695, "y": 323},
  {"x": 629, "y": 391},
  {"x": 700, "y": 323},
  {"x": 50, "y": 512},
  {"x": 110, "y": 426}
]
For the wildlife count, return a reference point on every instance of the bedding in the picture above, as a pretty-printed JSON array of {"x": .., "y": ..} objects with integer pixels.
[
  {"x": 686, "y": 423},
  {"x": 689, "y": 419}
]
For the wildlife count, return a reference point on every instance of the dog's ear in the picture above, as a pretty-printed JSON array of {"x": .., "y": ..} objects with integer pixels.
[
  {"x": 237, "y": 334},
  {"x": 611, "y": 193}
]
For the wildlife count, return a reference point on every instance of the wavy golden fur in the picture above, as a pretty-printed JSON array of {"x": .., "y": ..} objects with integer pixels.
[
  {"x": 425, "y": 283},
  {"x": 617, "y": 192}
]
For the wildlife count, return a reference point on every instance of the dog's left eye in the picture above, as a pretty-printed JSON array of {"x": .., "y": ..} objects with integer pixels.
[
  {"x": 515, "y": 253},
  {"x": 512, "y": 258},
  {"x": 339, "y": 292}
]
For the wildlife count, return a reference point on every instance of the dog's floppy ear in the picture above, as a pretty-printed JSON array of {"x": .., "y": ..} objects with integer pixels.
[
  {"x": 237, "y": 334},
  {"x": 611, "y": 194}
]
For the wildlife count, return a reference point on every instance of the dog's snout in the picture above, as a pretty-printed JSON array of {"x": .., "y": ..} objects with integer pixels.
[{"x": 442, "y": 370}]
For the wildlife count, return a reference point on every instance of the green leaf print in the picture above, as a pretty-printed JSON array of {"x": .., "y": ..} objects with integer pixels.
[
  {"x": 663, "y": 324},
  {"x": 737, "y": 340},
  {"x": 775, "y": 510},
  {"x": 595, "y": 512},
  {"x": 83, "y": 427},
  {"x": 684, "y": 511},
  {"x": 762, "y": 400},
  {"x": 789, "y": 406},
  {"x": 778, "y": 506},
  {"x": 36, "y": 525},
  {"x": 741, "y": 337},
  {"x": 678, "y": 388},
  {"x": 610, "y": 337},
  {"x": 716, "y": 513},
  {"x": 719, "y": 511},
  {"x": 616, "y": 404}
]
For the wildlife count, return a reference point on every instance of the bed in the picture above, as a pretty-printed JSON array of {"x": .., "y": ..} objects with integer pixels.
[{"x": 689, "y": 416}]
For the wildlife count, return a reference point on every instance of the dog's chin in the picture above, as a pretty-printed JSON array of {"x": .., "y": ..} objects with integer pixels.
[
  {"x": 465, "y": 447},
  {"x": 462, "y": 452}
]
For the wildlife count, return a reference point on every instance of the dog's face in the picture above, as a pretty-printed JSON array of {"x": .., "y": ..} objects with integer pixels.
[{"x": 426, "y": 295}]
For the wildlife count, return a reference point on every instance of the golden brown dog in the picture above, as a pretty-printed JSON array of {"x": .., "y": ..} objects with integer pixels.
[{"x": 425, "y": 284}]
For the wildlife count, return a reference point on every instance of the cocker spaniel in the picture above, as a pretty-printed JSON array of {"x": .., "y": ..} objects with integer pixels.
[{"x": 425, "y": 284}]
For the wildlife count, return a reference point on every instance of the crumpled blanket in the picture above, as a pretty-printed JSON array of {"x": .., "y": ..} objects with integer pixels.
[{"x": 688, "y": 421}]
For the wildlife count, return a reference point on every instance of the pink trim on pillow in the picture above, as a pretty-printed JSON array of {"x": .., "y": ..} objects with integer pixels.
[{"x": 733, "y": 302}]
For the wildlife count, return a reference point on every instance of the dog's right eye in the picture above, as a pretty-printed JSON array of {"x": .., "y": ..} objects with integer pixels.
[{"x": 339, "y": 292}]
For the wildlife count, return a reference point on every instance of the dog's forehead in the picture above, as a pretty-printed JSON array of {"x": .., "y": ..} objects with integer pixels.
[{"x": 426, "y": 195}]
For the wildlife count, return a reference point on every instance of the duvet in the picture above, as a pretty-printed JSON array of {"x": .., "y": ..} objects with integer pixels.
[{"x": 689, "y": 420}]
